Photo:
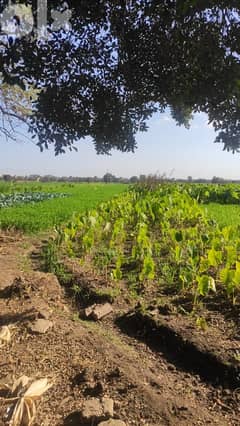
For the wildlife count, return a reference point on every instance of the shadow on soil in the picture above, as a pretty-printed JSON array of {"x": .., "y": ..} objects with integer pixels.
[
  {"x": 73, "y": 419},
  {"x": 214, "y": 303},
  {"x": 15, "y": 318},
  {"x": 180, "y": 352}
]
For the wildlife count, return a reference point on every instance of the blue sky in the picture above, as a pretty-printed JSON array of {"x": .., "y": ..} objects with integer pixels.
[{"x": 165, "y": 148}]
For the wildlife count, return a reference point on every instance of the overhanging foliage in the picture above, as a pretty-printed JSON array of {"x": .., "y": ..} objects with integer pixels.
[{"x": 121, "y": 61}]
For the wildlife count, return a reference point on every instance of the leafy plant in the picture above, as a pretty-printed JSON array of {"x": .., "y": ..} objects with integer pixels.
[
  {"x": 159, "y": 235},
  {"x": 9, "y": 200}
]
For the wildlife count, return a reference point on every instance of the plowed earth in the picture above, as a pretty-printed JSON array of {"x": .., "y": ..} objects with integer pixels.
[{"x": 150, "y": 385}]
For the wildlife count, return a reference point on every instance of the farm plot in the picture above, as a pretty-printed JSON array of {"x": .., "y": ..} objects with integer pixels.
[
  {"x": 56, "y": 203},
  {"x": 224, "y": 214},
  {"x": 10, "y": 200},
  {"x": 221, "y": 202},
  {"x": 158, "y": 239},
  {"x": 171, "y": 275},
  {"x": 174, "y": 271},
  {"x": 171, "y": 268}
]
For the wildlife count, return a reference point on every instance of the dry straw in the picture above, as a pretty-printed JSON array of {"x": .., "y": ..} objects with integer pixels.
[
  {"x": 24, "y": 395},
  {"x": 5, "y": 335}
]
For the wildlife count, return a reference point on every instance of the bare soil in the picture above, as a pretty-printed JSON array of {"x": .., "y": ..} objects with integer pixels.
[{"x": 85, "y": 359}]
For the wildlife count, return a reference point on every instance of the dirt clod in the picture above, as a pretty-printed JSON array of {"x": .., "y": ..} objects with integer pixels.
[
  {"x": 100, "y": 311},
  {"x": 96, "y": 311},
  {"x": 40, "y": 326},
  {"x": 108, "y": 406},
  {"x": 92, "y": 410},
  {"x": 95, "y": 409}
]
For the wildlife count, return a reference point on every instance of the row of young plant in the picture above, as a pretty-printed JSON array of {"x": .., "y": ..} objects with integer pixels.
[
  {"x": 203, "y": 193},
  {"x": 214, "y": 193},
  {"x": 10, "y": 200},
  {"x": 159, "y": 237}
]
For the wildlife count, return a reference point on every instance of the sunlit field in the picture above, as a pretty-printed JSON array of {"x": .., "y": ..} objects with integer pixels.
[
  {"x": 224, "y": 214},
  {"x": 35, "y": 216}
]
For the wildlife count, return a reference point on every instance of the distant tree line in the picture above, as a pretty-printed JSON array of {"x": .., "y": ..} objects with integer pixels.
[{"x": 110, "y": 178}]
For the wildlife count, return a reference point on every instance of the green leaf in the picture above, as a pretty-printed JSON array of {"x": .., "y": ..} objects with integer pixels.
[
  {"x": 148, "y": 270},
  {"x": 204, "y": 265},
  {"x": 231, "y": 255},
  {"x": 214, "y": 257},
  {"x": 205, "y": 284},
  {"x": 117, "y": 274},
  {"x": 178, "y": 254},
  {"x": 201, "y": 323},
  {"x": 226, "y": 276},
  {"x": 236, "y": 278}
]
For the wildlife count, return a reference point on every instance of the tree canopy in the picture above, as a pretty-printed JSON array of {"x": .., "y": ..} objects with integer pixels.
[{"x": 119, "y": 61}]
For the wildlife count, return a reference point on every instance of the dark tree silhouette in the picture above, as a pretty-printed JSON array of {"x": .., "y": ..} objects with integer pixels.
[{"x": 122, "y": 61}]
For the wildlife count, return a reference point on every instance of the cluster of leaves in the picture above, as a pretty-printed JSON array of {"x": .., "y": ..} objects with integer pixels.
[
  {"x": 9, "y": 200},
  {"x": 160, "y": 237},
  {"x": 203, "y": 193},
  {"x": 214, "y": 193},
  {"x": 123, "y": 60}
]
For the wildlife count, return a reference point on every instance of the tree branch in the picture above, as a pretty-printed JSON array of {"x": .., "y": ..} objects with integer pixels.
[{"x": 12, "y": 115}]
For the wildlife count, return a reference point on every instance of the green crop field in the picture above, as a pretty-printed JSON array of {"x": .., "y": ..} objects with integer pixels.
[
  {"x": 161, "y": 238},
  {"x": 224, "y": 214},
  {"x": 181, "y": 237},
  {"x": 35, "y": 207}
]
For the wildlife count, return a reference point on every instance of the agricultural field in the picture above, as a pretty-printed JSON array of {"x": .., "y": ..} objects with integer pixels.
[
  {"x": 224, "y": 214},
  {"x": 161, "y": 239},
  {"x": 161, "y": 255},
  {"x": 35, "y": 207},
  {"x": 139, "y": 290},
  {"x": 181, "y": 238},
  {"x": 220, "y": 202}
]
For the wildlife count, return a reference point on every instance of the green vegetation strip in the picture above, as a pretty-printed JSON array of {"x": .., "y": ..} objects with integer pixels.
[
  {"x": 224, "y": 215},
  {"x": 158, "y": 238},
  {"x": 31, "y": 217}
]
